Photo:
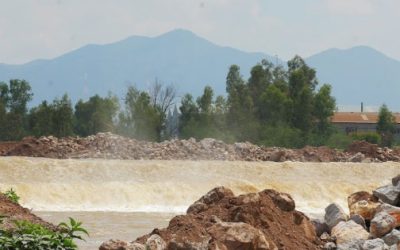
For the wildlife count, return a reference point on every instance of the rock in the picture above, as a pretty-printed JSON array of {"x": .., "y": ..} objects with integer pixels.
[
  {"x": 388, "y": 194},
  {"x": 284, "y": 201},
  {"x": 375, "y": 244},
  {"x": 118, "y": 245},
  {"x": 352, "y": 245},
  {"x": 215, "y": 195},
  {"x": 358, "y": 157},
  {"x": 348, "y": 231},
  {"x": 239, "y": 235},
  {"x": 381, "y": 224},
  {"x": 392, "y": 210},
  {"x": 392, "y": 238},
  {"x": 137, "y": 246},
  {"x": 330, "y": 246},
  {"x": 363, "y": 204},
  {"x": 334, "y": 214},
  {"x": 326, "y": 237},
  {"x": 196, "y": 207},
  {"x": 189, "y": 244},
  {"x": 155, "y": 242},
  {"x": 359, "y": 220},
  {"x": 320, "y": 227},
  {"x": 396, "y": 180}
]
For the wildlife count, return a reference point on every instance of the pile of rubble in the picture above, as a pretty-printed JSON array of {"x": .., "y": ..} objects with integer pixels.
[
  {"x": 111, "y": 146},
  {"x": 220, "y": 220},
  {"x": 372, "y": 223}
]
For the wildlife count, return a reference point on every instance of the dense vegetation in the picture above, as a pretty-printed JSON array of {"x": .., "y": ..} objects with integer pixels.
[{"x": 276, "y": 106}]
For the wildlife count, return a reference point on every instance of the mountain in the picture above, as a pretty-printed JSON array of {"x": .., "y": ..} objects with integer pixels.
[
  {"x": 178, "y": 57},
  {"x": 359, "y": 74}
]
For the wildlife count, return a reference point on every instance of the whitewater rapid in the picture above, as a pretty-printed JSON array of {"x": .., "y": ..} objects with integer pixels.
[{"x": 171, "y": 186}]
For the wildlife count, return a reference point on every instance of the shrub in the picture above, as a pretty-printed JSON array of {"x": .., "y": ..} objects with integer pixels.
[
  {"x": 339, "y": 141},
  {"x": 370, "y": 137},
  {"x": 29, "y": 236},
  {"x": 12, "y": 195}
]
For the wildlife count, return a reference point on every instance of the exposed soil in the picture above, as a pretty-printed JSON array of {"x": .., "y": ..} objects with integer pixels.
[
  {"x": 220, "y": 220},
  {"x": 11, "y": 211},
  {"x": 110, "y": 146}
]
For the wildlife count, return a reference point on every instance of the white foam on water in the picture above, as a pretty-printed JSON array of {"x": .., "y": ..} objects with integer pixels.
[{"x": 171, "y": 186}]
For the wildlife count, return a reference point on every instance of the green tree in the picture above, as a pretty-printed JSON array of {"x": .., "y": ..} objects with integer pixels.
[
  {"x": 13, "y": 109},
  {"x": 41, "y": 120},
  {"x": 386, "y": 125},
  {"x": 141, "y": 119},
  {"x": 62, "y": 117},
  {"x": 324, "y": 108},
  {"x": 95, "y": 115}
]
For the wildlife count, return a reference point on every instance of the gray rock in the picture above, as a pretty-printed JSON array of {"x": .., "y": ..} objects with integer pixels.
[
  {"x": 118, "y": 245},
  {"x": 396, "y": 180},
  {"x": 359, "y": 220},
  {"x": 359, "y": 157},
  {"x": 352, "y": 245},
  {"x": 334, "y": 214},
  {"x": 375, "y": 244},
  {"x": 388, "y": 194},
  {"x": 320, "y": 226},
  {"x": 330, "y": 246},
  {"x": 381, "y": 224},
  {"x": 392, "y": 238}
]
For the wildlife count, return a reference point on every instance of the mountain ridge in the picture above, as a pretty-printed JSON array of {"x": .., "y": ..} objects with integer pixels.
[{"x": 190, "y": 62}]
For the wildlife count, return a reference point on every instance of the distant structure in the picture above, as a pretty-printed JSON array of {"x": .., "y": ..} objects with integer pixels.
[{"x": 360, "y": 122}]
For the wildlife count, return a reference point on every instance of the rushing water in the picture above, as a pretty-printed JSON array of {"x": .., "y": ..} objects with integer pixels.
[{"x": 119, "y": 198}]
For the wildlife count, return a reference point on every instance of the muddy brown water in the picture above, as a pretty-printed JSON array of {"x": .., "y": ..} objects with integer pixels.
[{"x": 125, "y": 198}]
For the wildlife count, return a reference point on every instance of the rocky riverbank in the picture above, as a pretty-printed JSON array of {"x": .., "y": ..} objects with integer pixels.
[
  {"x": 268, "y": 220},
  {"x": 110, "y": 146}
]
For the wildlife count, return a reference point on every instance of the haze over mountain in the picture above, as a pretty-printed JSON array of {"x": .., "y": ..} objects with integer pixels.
[
  {"x": 360, "y": 74},
  {"x": 178, "y": 57},
  {"x": 191, "y": 62}
]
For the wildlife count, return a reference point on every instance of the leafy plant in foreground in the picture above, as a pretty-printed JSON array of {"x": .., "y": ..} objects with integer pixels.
[{"x": 29, "y": 236}]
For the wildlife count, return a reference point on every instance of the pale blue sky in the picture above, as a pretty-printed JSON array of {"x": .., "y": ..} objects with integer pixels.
[{"x": 31, "y": 29}]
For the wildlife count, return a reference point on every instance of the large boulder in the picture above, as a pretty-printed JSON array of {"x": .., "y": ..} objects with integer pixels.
[
  {"x": 388, "y": 194},
  {"x": 334, "y": 214},
  {"x": 348, "y": 231},
  {"x": 238, "y": 235},
  {"x": 363, "y": 204},
  {"x": 381, "y": 224},
  {"x": 351, "y": 245}
]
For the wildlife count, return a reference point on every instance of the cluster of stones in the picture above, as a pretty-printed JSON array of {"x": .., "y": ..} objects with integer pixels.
[
  {"x": 372, "y": 225},
  {"x": 111, "y": 146}
]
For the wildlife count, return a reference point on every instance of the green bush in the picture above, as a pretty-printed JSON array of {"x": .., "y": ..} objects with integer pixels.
[
  {"x": 339, "y": 141},
  {"x": 29, "y": 236},
  {"x": 12, "y": 195},
  {"x": 282, "y": 136},
  {"x": 370, "y": 137}
]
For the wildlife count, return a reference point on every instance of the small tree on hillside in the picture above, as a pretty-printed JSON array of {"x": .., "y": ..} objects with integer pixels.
[{"x": 386, "y": 125}]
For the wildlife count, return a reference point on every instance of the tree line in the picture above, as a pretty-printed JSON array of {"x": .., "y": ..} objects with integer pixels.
[{"x": 277, "y": 106}]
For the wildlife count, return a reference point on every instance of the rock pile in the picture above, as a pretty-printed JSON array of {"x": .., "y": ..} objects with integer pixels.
[
  {"x": 110, "y": 146},
  {"x": 220, "y": 220},
  {"x": 373, "y": 222}
]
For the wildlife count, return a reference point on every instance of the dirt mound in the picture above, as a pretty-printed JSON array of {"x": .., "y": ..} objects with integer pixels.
[
  {"x": 11, "y": 211},
  {"x": 220, "y": 220},
  {"x": 110, "y": 146}
]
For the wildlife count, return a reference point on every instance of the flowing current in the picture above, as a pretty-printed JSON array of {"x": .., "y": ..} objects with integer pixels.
[{"x": 124, "y": 199}]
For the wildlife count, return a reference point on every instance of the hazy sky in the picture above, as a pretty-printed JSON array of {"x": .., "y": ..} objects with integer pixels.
[{"x": 31, "y": 29}]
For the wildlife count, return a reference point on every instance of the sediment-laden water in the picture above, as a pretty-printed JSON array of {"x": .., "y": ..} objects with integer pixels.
[{"x": 119, "y": 198}]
